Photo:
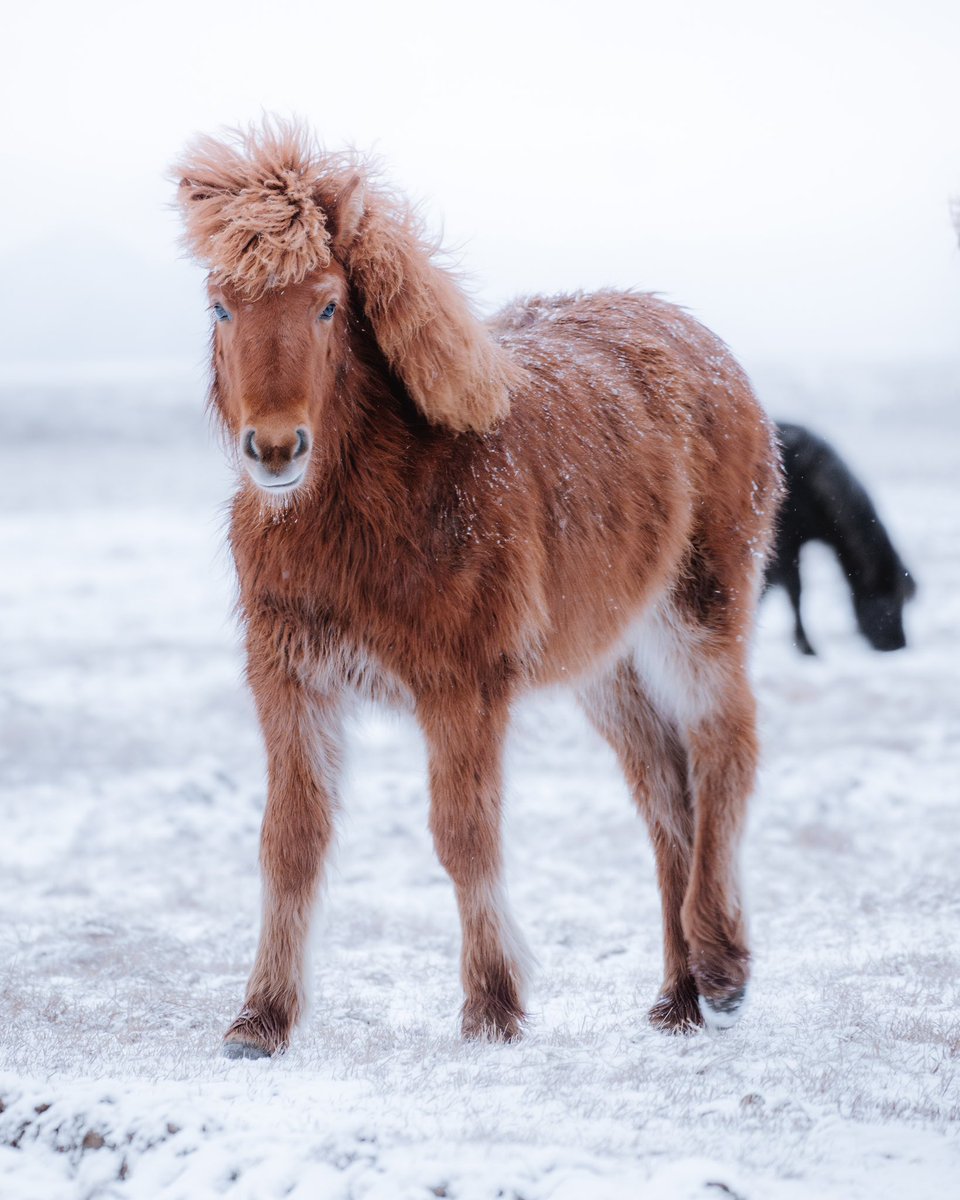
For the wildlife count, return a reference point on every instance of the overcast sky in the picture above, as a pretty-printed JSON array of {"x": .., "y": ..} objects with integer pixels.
[{"x": 785, "y": 171}]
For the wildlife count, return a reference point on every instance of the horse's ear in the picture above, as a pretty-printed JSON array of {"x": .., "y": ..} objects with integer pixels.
[
  {"x": 348, "y": 214},
  {"x": 453, "y": 370}
]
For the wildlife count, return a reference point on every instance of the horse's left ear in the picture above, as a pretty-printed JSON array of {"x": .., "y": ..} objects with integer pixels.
[{"x": 348, "y": 213}]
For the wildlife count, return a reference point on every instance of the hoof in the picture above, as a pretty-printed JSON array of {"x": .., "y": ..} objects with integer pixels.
[
  {"x": 723, "y": 1012},
  {"x": 721, "y": 976},
  {"x": 490, "y": 1023},
  {"x": 677, "y": 1010},
  {"x": 244, "y": 1050},
  {"x": 258, "y": 1032}
]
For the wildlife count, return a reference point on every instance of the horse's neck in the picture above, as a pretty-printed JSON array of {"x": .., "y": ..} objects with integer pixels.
[{"x": 854, "y": 532}]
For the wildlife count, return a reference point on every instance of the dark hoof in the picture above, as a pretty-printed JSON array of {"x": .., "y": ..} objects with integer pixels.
[
  {"x": 258, "y": 1032},
  {"x": 677, "y": 1010},
  {"x": 244, "y": 1050},
  {"x": 723, "y": 1012}
]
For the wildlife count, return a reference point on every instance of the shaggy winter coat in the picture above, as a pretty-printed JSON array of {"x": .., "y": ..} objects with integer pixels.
[{"x": 440, "y": 513}]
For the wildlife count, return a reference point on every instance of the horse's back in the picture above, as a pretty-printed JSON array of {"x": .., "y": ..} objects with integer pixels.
[
  {"x": 654, "y": 464},
  {"x": 635, "y": 366},
  {"x": 654, "y": 399}
]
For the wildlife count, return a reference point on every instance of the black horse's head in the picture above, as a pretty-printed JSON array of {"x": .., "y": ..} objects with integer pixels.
[{"x": 880, "y": 613}]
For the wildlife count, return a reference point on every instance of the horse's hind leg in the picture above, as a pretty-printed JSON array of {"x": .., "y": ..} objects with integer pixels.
[
  {"x": 696, "y": 672},
  {"x": 722, "y": 749},
  {"x": 655, "y": 764}
]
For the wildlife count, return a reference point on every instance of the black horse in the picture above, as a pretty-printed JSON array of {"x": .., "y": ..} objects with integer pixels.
[{"x": 826, "y": 502}]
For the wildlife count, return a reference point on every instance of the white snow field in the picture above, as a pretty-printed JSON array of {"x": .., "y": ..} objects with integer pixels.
[{"x": 132, "y": 786}]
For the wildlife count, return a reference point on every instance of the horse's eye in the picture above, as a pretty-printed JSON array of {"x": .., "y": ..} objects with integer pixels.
[
  {"x": 328, "y": 311},
  {"x": 221, "y": 313}
]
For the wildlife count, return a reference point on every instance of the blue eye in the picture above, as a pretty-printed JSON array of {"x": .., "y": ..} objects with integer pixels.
[
  {"x": 328, "y": 312},
  {"x": 221, "y": 313}
]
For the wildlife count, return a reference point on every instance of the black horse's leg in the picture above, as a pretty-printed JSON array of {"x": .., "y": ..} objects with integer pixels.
[{"x": 791, "y": 581}]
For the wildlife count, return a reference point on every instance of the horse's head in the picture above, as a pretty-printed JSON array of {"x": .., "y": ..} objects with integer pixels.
[
  {"x": 880, "y": 612},
  {"x": 276, "y": 361},
  {"x": 292, "y": 236},
  {"x": 272, "y": 217}
]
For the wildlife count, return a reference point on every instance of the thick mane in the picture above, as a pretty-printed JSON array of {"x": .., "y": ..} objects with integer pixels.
[
  {"x": 456, "y": 373},
  {"x": 252, "y": 204},
  {"x": 263, "y": 208}
]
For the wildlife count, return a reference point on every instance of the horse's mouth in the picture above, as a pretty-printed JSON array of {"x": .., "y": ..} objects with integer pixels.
[{"x": 286, "y": 485}]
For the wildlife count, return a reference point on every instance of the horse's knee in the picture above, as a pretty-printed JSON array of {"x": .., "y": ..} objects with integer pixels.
[{"x": 466, "y": 835}]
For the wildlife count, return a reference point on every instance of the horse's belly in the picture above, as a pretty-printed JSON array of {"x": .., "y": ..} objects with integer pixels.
[{"x": 592, "y": 607}]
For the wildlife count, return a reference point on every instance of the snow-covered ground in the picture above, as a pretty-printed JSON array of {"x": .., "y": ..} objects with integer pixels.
[{"x": 131, "y": 785}]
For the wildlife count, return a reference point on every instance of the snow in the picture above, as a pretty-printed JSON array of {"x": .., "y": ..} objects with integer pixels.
[{"x": 132, "y": 783}]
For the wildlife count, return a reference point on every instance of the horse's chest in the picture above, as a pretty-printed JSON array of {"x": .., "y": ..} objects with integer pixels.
[
  {"x": 326, "y": 653},
  {"x": 383, "y": 622},
  {"x": 299, "y": 608}
]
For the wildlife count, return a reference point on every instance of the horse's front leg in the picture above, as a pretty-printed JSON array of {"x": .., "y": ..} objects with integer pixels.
[
  {"x": 302, "y": 731},
  {"x": 465, "y": 743}
]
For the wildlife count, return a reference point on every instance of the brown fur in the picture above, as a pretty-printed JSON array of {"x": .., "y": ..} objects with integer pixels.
[{"x": 579, "y": 492}]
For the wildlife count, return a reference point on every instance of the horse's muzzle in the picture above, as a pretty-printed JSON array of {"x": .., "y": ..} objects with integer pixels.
[{"x": 277, "y": 465}]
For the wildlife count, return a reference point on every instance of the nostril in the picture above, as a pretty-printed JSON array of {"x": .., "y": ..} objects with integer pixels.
[
  {"x": 303, "y": 443},
  {"x": 250, "y": 445}
]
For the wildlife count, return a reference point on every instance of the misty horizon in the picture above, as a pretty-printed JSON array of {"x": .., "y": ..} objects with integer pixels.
[{"x": 788, "y": 179}]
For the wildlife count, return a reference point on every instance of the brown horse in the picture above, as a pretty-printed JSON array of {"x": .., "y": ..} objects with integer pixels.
[{"x": 440, "y": 513}]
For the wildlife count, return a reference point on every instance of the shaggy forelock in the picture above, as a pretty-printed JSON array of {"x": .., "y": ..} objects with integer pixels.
[
  {"x": 252, "y": 204},
  {"x": 265, "y": 207}
]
